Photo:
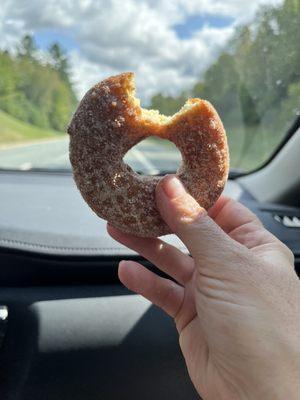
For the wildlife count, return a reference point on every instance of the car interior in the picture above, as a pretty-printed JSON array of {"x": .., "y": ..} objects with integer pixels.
[{"x": 69, "y": 329}]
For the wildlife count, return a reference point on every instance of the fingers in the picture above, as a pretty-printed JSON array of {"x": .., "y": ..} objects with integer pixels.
[
  {"x": 229, "y": 214},
  {"x": 202, "y": 236},
  {"x": 241, "y": 224},
  {"x": 167, "y": 258},
  {"x": 162, "y": 292}
]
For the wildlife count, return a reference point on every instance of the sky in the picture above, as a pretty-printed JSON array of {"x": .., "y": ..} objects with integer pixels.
[{"x": 167, "y": 43}]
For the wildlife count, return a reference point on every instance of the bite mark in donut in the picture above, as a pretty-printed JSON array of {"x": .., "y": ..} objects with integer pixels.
[{"x": 109, "y": 122}]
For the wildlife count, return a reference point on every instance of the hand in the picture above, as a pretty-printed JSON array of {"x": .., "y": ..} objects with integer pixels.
[{"x": 236, "y": 303}]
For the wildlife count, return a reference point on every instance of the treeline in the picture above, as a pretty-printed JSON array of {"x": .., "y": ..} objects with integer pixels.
[
  {"x": 36, "y": 89},
  {"x": 255, "y": 83}
]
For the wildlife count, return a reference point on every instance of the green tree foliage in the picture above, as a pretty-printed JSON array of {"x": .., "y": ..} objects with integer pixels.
[
  {"x": 255, "y": 83},
  {"x": 28, "y": 47},
  {"x": 60, "y": 61},
  {"x": 248, "y": 107},
  {"x": 167, "y": 105},
  {"x": 36, "y": 92}
]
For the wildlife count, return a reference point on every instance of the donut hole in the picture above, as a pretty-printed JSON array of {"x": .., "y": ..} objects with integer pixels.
[{"x": 153, "y": 156}]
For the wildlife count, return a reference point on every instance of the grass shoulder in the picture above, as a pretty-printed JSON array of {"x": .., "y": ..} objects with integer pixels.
[{"x": 14, "y": 131}]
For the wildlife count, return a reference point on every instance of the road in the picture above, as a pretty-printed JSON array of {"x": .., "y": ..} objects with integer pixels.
[{"x": 147, "y": 157}]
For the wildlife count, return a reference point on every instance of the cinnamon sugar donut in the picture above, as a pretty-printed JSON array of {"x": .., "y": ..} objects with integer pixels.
[{"x": 109, "y": 121}]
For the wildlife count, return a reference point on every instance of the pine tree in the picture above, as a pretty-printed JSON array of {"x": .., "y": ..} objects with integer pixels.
[
  {"x": 60, "y": 61},
  {"x": 27, "y": 47}
]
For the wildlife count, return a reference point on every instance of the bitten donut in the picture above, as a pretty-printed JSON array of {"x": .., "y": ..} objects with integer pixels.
[{"x": 109, "y": 121}]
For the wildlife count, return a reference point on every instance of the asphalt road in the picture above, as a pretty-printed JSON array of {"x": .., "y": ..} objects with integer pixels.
[{"x": 147, "y": 157}]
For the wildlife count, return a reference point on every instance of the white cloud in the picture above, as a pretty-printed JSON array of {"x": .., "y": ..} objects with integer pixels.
[{"x": 137, "y": 35}]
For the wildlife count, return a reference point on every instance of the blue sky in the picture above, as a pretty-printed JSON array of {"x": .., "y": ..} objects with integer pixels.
[
  {"x": 185, "y": 70},
  {"x": 168, "y": 46},
  {"x": 196, "y": 22},
  {"x": 45, "y": 37}
]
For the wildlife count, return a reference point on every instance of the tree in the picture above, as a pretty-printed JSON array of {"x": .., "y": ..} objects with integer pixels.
[
  {"x": 221, "y": 87},
  {"x": 167, "y": 105},
  {"x": 250, "y": 115},
  {"x": 34, "y": 92},
  {"x": 290, "y": 107},
  {"x": 60, "y": 61},
  {"x": 28, "y": 47}
]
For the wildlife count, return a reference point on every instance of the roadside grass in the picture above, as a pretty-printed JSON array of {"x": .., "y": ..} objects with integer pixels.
[
  {"x": 13, "y": 131},
  {"x": 249, "y": 147}
]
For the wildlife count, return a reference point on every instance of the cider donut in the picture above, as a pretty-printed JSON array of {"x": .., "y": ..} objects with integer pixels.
[{"x": 109, "y": 121}]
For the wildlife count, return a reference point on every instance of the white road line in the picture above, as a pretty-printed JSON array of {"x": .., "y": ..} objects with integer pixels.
[
  {"x": 62, "y": 157},
  {"x": 32, "y": 143},
  {"x": 25, "y": 166},
  {"x": 148, "y": 164}
]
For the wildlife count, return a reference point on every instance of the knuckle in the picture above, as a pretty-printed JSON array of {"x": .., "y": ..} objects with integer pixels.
[
  {"x": 160, "y": 258},
  {"x": 188, "y": 211},
  {"x": 168, "y": 294},
  {"x": 290, "y": 255}
]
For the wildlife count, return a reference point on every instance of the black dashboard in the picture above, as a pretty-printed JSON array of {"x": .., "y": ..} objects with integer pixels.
[{"x": 72, "y": 331}]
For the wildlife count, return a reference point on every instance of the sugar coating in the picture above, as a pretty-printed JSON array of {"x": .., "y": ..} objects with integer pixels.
[{"x": 108, "y": 123}]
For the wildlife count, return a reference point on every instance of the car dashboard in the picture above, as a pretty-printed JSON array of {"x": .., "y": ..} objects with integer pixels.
[{"x": 70, "y": 329}]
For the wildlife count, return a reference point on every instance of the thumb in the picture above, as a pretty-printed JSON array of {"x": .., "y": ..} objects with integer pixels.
[{"x": 190, "y": 222}]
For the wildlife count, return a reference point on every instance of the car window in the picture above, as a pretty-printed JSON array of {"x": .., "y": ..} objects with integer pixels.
[{"x": 243, "y": 57}]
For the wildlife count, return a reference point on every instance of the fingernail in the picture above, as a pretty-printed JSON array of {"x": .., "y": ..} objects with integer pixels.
[
  {"x": 173, "y": 187},
  {"x": 122, "y": 262},
  {"x": 128, "y": 263}
]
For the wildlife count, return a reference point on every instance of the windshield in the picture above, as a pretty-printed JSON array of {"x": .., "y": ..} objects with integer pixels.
[{"x": 243, "y": 57}]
